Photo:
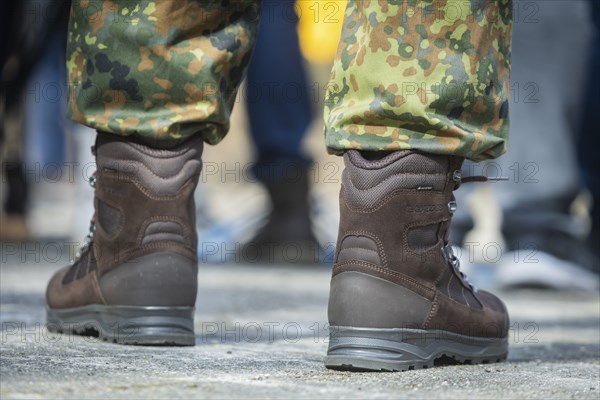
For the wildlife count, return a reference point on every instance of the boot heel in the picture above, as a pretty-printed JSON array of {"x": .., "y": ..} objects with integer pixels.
[
  {"x": 132, "y": 325},
  {"x": 368, "y": 349}
]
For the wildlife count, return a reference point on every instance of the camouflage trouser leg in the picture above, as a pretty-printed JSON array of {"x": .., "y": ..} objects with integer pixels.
[
  {"x": 164, "y": 69},
  {"x": 427, "y": 75},
  {"x": 431, "y": 75}
]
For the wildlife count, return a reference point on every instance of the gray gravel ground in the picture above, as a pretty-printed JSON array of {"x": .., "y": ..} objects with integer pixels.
[{"x": 261, "y": 333}]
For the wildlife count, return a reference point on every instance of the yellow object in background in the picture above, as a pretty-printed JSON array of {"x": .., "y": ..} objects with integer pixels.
[{"x": 320, "y": 28}]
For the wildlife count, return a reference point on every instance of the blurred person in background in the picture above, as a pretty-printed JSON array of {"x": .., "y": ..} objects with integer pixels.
[
  {"x": 280, "y": 112},
  {"x": 545, "y": 240},
  {"x": 14, "y": 188},
  {"x": 158, "y": 79},
  {"x": 33, "y": 98},
  {"x": 589, "y": 141}
]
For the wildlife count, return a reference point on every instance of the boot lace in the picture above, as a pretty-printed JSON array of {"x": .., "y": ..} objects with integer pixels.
[
  {"x": 447, "y": 249},
  {"x": 454, "y": 262},
  {"x": 89, "y": 238},
  {"x": 459, "y": 179}
]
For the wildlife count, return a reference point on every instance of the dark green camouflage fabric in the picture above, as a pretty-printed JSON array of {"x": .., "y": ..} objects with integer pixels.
[
  {"x": 426, "y": 75},
  {"x": 164, "y": 69},
  {"x": 431, "y": 76}
]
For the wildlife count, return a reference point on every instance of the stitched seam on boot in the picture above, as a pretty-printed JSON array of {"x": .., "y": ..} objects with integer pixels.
[
  {"x": 148, "y": 194},
  {"x": 145, "y": 191},
  {"x": 461, "y": 281},
  {"x": 125, "y": 255},
  {"x": 378, "y": 242},
  {"x": 385, "y": 200},
  {"x": 464, "y": 306},
  {"x": 150, "y": 248},
  {"x": 434, "y": 309},
  {"x": 154, "y": 174},
  {"x": 462, "y": 291},
  {"x": 121, "y": 220},
  {"x": 448, "y": 286},
  {"x": 162, "y": 218},
  {"x": 133, "y": 253},
  {"x": 359, "y": 248},
  {"x": 96, "y": 286},
  {"x": 388, "y": 272},
  {"x": 478, "y": 300},
  {"x": 381, "y": 202},
  {"x": 415, "y": 225},
  {"x": 163, "y": 153},
  {"x": 417, "y": 174},
  {"x": 441, "y": 276}
]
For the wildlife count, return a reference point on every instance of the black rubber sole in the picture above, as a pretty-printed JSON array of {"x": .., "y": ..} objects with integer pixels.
[
  {"x": 391, "y": 350},
  {"x": 130, "y": 325}
]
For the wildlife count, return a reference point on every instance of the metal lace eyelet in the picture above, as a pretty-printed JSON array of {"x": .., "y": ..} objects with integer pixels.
[
  {"x": 457, "y": 175},
  {"x": 454, "y": 261},
  {"x": 452, "y": 207}
]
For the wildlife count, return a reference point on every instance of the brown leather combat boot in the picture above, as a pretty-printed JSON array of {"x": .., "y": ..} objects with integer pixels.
[
  {"x": 398, "y": 300},
  {"x": 135, "y": 281}
]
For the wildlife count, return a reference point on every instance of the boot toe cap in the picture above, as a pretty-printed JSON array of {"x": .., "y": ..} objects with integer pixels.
[
  {"x": 498, "y": 309},
  {"x": 78, "y": 292},
  {"x": 55, "y": 288}
]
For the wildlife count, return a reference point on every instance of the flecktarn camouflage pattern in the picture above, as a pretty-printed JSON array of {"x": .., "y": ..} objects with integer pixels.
[
  {"x": 163, "y": 69},
  {"x": 431, "y": 76},
  {"x": 427, "y": 75}
]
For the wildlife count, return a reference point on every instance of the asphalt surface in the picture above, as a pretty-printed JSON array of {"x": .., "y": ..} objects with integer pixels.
[{"x": 261, "y": 333}]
